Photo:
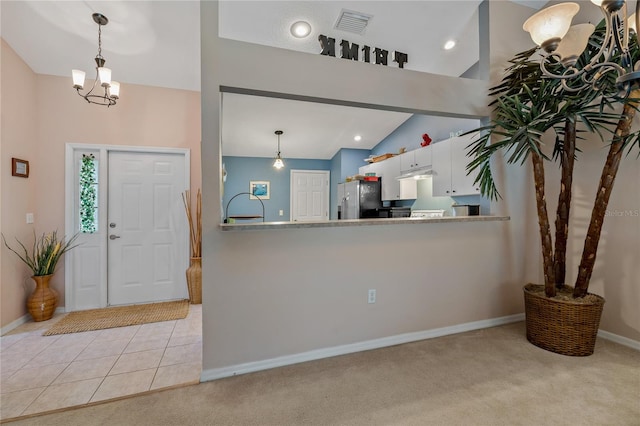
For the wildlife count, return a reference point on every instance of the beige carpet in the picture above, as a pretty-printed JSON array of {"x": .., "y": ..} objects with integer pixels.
[
  {"x": 487, "y": 377},
  {"x": 119, "y": 316}
]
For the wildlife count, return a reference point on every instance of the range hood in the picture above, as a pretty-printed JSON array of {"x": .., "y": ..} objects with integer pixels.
[{"x": 421, "y": 173}]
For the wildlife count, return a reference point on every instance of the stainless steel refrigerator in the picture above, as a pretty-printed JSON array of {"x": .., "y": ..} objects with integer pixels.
[{"x": 359, "y": 199}]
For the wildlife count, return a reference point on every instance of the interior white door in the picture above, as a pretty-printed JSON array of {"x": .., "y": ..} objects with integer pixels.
[
  {"x": 147, "y": 245},
  {"x": 309, "y": 195}
]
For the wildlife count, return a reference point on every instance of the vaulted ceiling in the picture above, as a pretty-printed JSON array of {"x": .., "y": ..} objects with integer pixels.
[{"x": 157, "y": 43}]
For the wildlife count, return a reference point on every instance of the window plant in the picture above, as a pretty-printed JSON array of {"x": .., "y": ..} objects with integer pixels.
[{"x": 527, "y": 106}]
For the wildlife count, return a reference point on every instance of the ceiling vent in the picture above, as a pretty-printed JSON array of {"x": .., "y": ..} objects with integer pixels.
[{"x": 353, "y": 22}]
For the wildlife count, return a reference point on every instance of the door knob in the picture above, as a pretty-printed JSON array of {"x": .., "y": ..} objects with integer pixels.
[{"x": 113, "y": 237}]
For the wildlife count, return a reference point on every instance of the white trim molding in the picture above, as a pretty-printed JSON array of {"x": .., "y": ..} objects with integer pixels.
[
  {"x": 100, "y": 299},
  {"x": 624, "y": 341},
  {"x": 15, "y": 324},
  {"x": 23, "y": 320},
  {"x": 250, "y": 367}
]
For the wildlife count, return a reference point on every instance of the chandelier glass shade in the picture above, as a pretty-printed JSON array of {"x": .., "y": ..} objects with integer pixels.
[
  {"x": 551, "y": 30},
  {"x": 111, "y": 89},
  {"x": 278, "y": 163}
]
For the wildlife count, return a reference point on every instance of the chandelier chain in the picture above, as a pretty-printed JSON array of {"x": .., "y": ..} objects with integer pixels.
[{"x": 100, "y": 41}]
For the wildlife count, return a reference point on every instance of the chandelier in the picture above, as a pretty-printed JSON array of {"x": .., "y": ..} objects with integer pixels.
[
  {"x": 278, "y": 163},
  {"x": 111, "y": 88},
  {"x": 551, "y": 30}
]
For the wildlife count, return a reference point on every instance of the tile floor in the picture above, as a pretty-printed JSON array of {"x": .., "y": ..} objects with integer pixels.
[{"x": 43, "y": 373}]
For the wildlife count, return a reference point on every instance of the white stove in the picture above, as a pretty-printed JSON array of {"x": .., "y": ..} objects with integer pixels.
[{"x": 423, "y": 214}]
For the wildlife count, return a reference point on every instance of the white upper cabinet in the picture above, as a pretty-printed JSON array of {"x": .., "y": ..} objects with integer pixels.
[
  {"x": 390, "y": 170},
  {"x": 416, "y": 159},
  {"x": 392, "y": 188},
  {"x": 450, "y": 177}
]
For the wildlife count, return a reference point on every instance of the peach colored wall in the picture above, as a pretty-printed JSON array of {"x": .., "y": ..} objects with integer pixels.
[
  {"x": 144, "y": 116},
  {"x": 19, "y": 139},
  {"x": 615, "y": 275}
]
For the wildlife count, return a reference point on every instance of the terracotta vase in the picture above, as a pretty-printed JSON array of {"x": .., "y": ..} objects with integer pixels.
[
  {"x": 43, "y": 301},
  {"x": 194, "y": 280}
]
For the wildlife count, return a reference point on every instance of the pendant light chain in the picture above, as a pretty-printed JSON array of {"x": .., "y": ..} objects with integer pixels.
[
  {"x": 100, "y": 41},
  {"x": 278, "y": 144}
]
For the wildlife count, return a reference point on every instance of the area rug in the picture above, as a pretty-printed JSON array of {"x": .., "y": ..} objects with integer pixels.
[{"x": 119, "y": 316}]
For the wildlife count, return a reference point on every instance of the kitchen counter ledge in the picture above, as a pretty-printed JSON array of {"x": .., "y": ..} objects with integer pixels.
[{"x": 358, "y": 222}]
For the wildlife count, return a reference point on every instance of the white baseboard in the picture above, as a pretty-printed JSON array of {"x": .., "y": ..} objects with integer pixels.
[
  {"x": 24, "y": 319},
  {"x": 250, "y": 367},
  {"x": 633, "y": 344},
  {"x": 15, "y": 324}
]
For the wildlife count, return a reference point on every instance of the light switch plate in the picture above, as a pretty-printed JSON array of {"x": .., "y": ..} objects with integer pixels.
[
  {"x": 371, "y": 295},
  {"x": 29, "y": 217}
]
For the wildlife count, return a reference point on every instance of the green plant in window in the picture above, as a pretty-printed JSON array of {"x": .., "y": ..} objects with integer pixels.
[{"x": 88, "y": 194}]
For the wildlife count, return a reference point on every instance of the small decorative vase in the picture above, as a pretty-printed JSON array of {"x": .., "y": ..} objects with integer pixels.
[
  {"x": 194, "y": 280},
  {"x": 43, "y": 301}
]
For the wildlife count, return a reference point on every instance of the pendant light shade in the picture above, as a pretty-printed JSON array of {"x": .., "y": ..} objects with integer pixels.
[
  {"x": 278, "y": 163},
  {"x": 78, "y": 79},
  {"x": 549, "y": 25},
  {"x": 114, "y": 90},
  {"x": 105, "y": 76},
  {"x": 574, "y": 43}
]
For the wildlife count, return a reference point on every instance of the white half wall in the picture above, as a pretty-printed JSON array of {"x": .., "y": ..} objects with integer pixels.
[{"x": 272, "y": 294}]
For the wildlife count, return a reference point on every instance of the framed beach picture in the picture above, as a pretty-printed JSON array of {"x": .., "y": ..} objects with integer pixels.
[{"x": 259, "y": 189}]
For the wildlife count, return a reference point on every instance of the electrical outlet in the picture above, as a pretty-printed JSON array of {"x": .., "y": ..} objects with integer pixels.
[
  {"x": 281, "y": 212},
  {"x": 29, "y": 217},
  {"x": 372, "y": 295}
]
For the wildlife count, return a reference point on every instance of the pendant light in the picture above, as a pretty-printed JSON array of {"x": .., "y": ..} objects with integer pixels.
[
  {"x": 103, "y": 74},
  {"x": 278, "y": 163},
  {"x": 551, "y": 30}
]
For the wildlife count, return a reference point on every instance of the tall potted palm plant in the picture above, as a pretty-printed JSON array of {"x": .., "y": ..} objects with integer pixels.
[{"x": 527, "y": 106}]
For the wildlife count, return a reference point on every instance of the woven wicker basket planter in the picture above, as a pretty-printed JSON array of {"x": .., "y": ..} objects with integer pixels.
[{"x": 561, "y": 326}]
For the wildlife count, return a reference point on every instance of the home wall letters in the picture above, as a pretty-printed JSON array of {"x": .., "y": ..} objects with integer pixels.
[{"x": 351, "y": 51}]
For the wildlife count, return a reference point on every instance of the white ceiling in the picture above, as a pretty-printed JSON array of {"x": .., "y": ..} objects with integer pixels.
[
  {"x": 153, "y": 43},
  {"x": 418, "y": 28},
  {"x": 311, "y": 130},
  {"x": 157, "y": 43}
]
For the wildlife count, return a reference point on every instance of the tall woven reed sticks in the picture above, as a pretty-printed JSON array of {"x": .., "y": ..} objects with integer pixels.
[{"x": 195, "y": 224}]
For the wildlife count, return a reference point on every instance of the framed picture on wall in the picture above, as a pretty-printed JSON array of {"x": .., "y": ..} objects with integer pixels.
[
  {"x": 259, "y": 188},
  {"x": 19, "y": 168}
]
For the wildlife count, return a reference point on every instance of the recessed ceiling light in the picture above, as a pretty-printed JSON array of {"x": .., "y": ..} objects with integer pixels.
[
  {"x": 357, "y": 138},
  {"x": 300, "y": 29},
  {"x": 450, "y": 44}
]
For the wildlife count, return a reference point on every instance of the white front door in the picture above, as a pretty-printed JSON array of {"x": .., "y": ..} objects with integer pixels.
[
  {"x": 147, "y": 229},
  {"x": 309, "y": 195}
]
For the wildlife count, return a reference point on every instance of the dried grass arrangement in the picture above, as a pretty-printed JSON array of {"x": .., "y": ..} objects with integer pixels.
[
  {"x": 45, "y": 252},
  {"x": 195, "y": 222}
]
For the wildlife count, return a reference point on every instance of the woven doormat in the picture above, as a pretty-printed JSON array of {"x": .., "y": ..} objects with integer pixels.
[{"x": 119, "y": 316}]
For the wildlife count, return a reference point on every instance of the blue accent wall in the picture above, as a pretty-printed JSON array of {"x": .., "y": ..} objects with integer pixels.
[
  {"x": 352, "y": 160},
  {"x": 344, "y": 163},
  {"x": 409, "y": 134},
  {"x": 242, "y": 170}
]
